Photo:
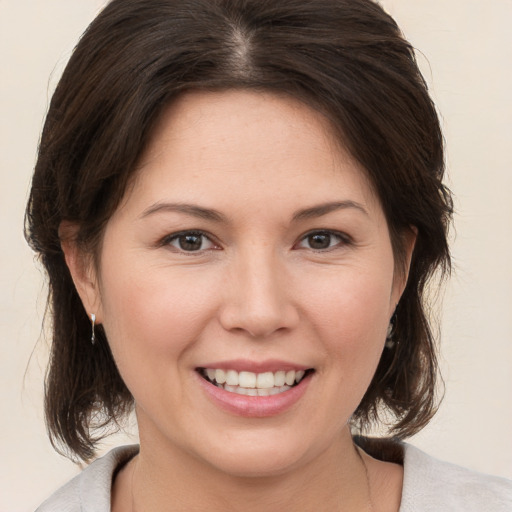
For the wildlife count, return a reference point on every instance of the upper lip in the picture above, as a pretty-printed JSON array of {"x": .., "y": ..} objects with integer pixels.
[{"x": 240, "y": 365}]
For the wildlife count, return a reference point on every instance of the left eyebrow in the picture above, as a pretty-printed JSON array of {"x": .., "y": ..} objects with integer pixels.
[{"x": 325, "y": 208}]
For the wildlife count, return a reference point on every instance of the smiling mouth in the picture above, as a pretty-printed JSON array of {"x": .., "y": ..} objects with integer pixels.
[{"x": 254, "y": 384}]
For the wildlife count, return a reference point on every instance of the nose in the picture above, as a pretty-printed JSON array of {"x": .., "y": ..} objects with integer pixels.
[{"x": 258, "y": 298}]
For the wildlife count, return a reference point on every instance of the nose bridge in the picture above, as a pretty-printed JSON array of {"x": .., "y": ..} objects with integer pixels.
[{"x": 257, "y": 299}]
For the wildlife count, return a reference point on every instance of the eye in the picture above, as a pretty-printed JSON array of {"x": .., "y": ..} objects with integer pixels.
[
  {"x": 189, "y": 241},
  {"x": 322, "y": 240}
]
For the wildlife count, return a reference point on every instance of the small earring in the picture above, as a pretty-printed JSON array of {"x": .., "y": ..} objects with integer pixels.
[
  {"x": 390, "y": 342},
  {"x": 93, "y": 334}
]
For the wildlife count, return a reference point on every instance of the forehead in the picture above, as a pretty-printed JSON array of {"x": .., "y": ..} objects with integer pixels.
[{"x": 256, "y": 145}]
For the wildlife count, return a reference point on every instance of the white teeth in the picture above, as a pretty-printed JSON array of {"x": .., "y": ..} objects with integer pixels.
[
  {"x": 299, "y": 375},
  {"x": 232, "y": 378},
  {"x": 290, "y": 378},
  {"x": 255, "y": 384},
  {"x": 220, "y": 376},
  {"x": 247, "y": 380},
  {"x": 265, "y": 380},
  {"x": 279, "y": 378},
  {"x": 255, "y": 391}
]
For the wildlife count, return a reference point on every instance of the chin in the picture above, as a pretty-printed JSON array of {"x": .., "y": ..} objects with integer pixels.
[
  {"x": 256, "y": 464},
  {"x": 253, "y": 456}
]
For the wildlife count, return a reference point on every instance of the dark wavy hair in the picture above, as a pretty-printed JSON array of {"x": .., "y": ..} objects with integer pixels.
[{"x": 345, "y": 58}]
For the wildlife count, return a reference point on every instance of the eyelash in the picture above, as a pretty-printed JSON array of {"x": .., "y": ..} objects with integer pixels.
[{"x": 167, "y": 240}]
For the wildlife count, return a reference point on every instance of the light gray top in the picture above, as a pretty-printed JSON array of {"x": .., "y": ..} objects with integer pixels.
[{"x": 430, "y": 485}]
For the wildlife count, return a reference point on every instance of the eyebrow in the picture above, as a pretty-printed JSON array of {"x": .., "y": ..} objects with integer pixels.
[
  {"x": 215, "y": 216},
  {"x": 324, "y": 209},
  {"x": 187, "y": 209}
]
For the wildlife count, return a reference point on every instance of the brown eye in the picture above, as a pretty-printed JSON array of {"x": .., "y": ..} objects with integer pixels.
[
  {"x": 190, "y": 242},
  {"x": 321, "y": 240}
]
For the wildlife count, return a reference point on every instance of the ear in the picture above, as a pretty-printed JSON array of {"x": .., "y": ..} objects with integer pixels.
[
  {"x": 82, "y": 269},
  {"x": 409, "y": 237}
]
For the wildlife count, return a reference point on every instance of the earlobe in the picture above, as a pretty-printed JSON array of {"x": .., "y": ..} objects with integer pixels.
[{"x": 82, "y": 270}]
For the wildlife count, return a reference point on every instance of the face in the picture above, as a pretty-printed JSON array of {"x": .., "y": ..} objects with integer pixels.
[{"x": 246, "y": 284}]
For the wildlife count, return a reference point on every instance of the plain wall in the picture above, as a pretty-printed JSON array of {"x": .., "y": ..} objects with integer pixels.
[{"x": 466, "y": 55}]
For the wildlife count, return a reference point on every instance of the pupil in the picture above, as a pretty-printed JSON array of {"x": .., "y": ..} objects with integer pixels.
[
  {"x": 190, "y": 242},
  {"x": 320, "y": 241}
]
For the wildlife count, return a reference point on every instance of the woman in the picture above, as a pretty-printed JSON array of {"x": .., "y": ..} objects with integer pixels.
[{"x": 239, "y": 204}]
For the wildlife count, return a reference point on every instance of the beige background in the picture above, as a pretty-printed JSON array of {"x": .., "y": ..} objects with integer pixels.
[{"x": 468, "y": 44}]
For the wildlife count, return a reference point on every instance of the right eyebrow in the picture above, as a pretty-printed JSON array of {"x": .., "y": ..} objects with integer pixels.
[{"x": 186, "y": 208}]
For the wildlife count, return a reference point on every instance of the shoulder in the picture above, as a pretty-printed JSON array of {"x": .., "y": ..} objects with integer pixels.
[
  {"x": 432, "y": 485},
  {"x": 90, "y": 490}
]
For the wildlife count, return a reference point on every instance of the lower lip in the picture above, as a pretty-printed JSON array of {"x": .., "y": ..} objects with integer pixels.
[{"x": 255, "y": 406}]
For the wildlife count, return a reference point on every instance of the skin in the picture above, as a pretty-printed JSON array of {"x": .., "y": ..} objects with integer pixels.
[{"x": 257, "y": 290}]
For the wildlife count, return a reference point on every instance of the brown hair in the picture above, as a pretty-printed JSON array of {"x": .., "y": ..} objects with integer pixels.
[{"x": 345, "y": 58}]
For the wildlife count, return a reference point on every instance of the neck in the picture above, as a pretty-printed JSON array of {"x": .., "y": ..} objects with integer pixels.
[{"x": 173, "y": 480}]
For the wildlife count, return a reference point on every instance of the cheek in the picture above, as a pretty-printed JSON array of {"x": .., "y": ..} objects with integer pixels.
[
  {"x": 153, "y": 317},
  {"x": 351, "y": 300},
  {"x": 350, "y": 313}
]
